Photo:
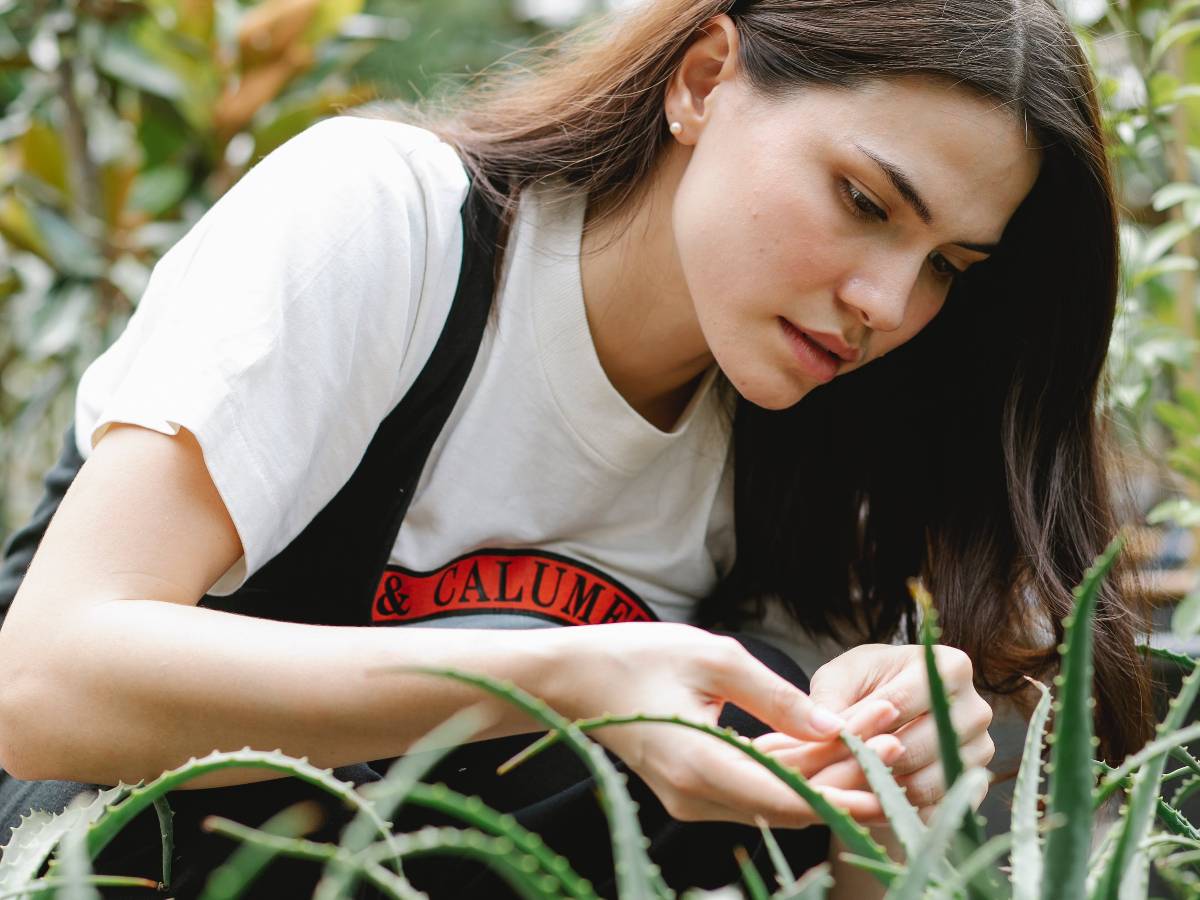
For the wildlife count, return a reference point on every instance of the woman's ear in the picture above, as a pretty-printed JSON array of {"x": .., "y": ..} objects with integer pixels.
[{"x": 710, "y": 61}]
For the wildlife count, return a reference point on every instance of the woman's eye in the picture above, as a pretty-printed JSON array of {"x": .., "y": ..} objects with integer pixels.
[
  {"x": 860, "y": 204},
  {"x": 943, "y": 266}
]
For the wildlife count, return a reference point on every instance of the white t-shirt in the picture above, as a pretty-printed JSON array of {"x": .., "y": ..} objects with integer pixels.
[{"x": 293, "y": 317}]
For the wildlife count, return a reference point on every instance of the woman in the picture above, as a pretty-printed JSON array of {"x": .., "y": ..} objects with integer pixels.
[{"x": 880, "y": 234}]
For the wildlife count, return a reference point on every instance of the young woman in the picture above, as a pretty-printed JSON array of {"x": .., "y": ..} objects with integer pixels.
[{"x": 795, "y": 299}]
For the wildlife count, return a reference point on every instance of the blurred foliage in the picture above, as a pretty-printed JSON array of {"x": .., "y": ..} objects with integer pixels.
[{"x": 123, "y": 120}]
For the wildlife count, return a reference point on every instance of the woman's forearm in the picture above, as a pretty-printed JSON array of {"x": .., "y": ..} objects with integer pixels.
[{"x": 130, "y": 688}]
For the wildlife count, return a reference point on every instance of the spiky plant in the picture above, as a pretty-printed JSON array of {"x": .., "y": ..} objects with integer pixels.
[{"x": 1049, "y": 846}]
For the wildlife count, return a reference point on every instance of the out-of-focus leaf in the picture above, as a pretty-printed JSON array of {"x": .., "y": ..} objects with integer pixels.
[
  {"x": 44, "y": 157},
  {"x": 1171, "y": 263},
  {"x": 297, "y": 115},
  {"x": 328, "y": 19},
  {"x": 18, "y": 227},
  {"x": 1162, "y": 239},
  {"x": 116, "y": 181},
  {"x": 1185, "y": 618},
  {"x": 59, "y": 321},
  {"x": 1177, "y": 192},
  {"x": 157, "y": 190},
  {"x": 128, "y": 63},
  {"x": 71, "y": 251},
  {"x": 1181, "y": 32}
]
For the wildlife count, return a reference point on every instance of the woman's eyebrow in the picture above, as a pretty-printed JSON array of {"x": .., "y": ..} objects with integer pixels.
[
  {"x": 901, "y": 183},
  {"x": 904, "y": 186}
]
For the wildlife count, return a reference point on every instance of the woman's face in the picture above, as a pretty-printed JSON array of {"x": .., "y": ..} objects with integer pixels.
[{"x": 841, "y": 213}]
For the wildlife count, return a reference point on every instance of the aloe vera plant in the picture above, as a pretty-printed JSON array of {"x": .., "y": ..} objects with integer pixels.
[{"x": 1049, "y": 847}]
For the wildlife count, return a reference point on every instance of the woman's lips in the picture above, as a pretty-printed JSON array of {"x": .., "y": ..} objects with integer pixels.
[{"x": 813, "y": 358}]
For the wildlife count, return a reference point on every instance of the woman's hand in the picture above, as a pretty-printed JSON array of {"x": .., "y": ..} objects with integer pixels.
[
  {"x": 674, "y": 669},
  {"x": 872, "y": 673}
]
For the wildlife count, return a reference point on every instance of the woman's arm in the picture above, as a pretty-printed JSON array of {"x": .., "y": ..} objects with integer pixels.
[{"x": 114, "y": 673}]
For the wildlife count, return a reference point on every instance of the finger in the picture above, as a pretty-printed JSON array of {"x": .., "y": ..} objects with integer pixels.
[
  {"x": 808, "y": 764},
  {"x": 927, "y": 812},
  {"x": 908, "y": 690},
  {"x": 928, "y": 784},
  {"x": 741, "y": 785},
  {"x": 872, "y": 719},
  {"x": 739, "y": 678},
  {"x": 970, "y": 719},
  {"x": 849, "y": 775}
]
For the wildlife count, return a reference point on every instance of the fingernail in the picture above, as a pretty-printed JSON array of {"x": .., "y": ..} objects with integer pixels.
[
  {"x": 825, "y": 721},
  {"x": 890, "y": 715}
]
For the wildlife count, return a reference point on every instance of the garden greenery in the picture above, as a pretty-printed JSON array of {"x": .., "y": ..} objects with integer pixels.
[{"x": 1051, "y": 845}]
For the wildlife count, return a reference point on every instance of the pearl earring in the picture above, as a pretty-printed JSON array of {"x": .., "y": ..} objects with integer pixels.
[{"x": 676, "y": 127}]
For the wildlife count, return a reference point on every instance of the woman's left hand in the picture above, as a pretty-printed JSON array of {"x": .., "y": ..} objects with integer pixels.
[{"x": 867, "y": 674}]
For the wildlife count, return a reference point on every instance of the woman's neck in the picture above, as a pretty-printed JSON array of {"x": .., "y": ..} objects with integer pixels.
[{"x": 639, "y": 311}]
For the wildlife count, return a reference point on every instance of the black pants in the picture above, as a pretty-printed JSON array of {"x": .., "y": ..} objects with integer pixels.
[{"x": 552, "y": 794}]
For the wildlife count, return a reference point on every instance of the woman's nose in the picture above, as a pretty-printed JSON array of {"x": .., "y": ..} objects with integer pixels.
[{"x": 879, "y": 295}]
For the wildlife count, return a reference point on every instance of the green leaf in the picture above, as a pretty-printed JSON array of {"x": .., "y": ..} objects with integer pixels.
[
  {"x": 155, "y": 191},
  {"x": 954, "y": 806},
  {"x": 123, "y": 60},
  {"x": 471, "y": 811},
  {"x": 1180, "y": 510},
  {"x": 1127, "y": 874},
  {"x": 754, "y": 883},
  {"x": 1070, "y": 770},
  {"x": 1162, "y": 239},
  {"x": 387, "y": 795},
  {"x": 783, "y": 872},
  {"x": 1027, "y": 851},
  {"x": 1176, "y": 192},
  {"x": 637, "y": 876},
  {"x": 237, "y": 874},
  {"x": 812, "y": 885},
  {"x": 1185, "y": 619},
  {"x": 1180, "y": 33},
  {"x": 901, "y": 814}
]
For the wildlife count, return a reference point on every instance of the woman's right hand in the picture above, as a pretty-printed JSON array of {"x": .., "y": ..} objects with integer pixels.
[{"x": 662, "y": 668}]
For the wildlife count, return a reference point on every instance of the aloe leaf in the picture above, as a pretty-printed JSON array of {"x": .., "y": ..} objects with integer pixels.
[
  {"x": 166, "y": 833},
  {"x": 1070, "y": 771},
  {"x": 139, "y": 798},
  {"x": 889, "y": 870},
  {"x": 37, "y": 834},
  {"x": 783, "y": 870},
  {"x": 472, "y": 811},
  {"x": 981, "y": 860},
  {"x": 237, "y": 874},
  {"x": 391, "y": 884},
  {"x": 902, "y": 815},
  {"x": 1156, "y": 749},
  {"x": 387, "y": 795},
  {"x": 1179, "y": 659},
  {"x": 856, "y": 838},
  {"x": 1185, "y": 790},
  {"x": 1027, "y": 851},
  {"x": 57, "y": 884},
  {"x": 1128, "y": 871},
  {"x": 637, "y": 876},
  {"x": 813, "y": 885},
  {"x": 75, "y": 866},
  {"x": 945, "y": 825},
  {"x": 754, "y": 883}
]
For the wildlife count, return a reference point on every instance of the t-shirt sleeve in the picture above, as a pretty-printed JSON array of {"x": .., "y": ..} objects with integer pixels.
[{"x": 276, "y": 328}]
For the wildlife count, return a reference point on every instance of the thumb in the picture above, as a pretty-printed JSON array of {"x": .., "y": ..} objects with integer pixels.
[{"x": 771, "y": 698}]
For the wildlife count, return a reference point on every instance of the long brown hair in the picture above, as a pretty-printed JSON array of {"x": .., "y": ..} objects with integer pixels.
[{"x": 974, "y": 455}]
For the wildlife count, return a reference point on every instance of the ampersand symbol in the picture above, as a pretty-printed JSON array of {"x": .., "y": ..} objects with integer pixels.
[{"x": 390, "y": 602}]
